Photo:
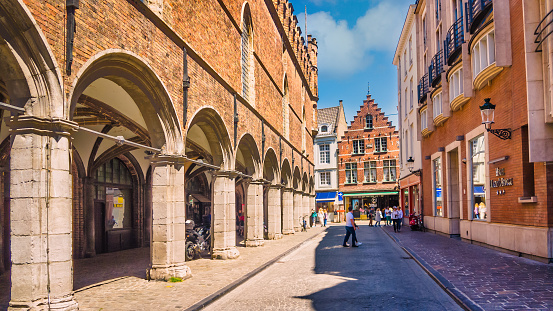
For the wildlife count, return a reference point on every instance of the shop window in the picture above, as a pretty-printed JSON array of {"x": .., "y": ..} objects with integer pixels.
[
  {"x": 389, "y": 170},
  {"x": 351, "y": 173},
  {"x": 438, "y": 200},
  {"x": 324, "y": 154},
  {"x": 114, "y": 187},
  {"x": 456, "y": 83},
  {"x": 359, "y": 146},
  {"x": 437, "y": 103},
  {"x": 370, "y": 171},
  {"x": 325, "y": 178},
  {"x": 478, "y": 178},
  {"x": 380, "y": 144},
  {"x": 369, "y": 121},
  {"x": 483, "y": 53}
]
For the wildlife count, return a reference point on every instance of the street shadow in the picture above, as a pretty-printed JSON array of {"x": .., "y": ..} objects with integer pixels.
[
  {"x": 374, "y": 276},
  {"x": 111, "y": 266}
]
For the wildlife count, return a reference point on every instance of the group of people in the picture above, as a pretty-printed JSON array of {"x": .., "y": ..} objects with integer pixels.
[
  {"x": 392, "y": 215},
  {"x": 320, "y": 217}
]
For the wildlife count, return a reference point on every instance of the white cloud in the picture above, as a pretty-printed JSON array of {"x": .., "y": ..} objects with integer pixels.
[{"x": 345, "y": 50}]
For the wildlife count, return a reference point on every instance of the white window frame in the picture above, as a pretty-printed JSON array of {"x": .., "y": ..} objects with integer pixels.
[
  {"x": 351, "y": 173},
  {"x": 456, "y": 83},
  {"x": 483, "y": 53},
  {"x": 389, "y": 170},
  {"x": 437, "y": 104},
  {"x": 325, "y": 179},
  {"x": 370, "y": 172},
  {"x": 369, "y": 119},
  {"x": 378, "y": 144},
  {"x": 424, "y": 119},
  {"x": 358, "y": 146},
  {"x": 324, "y": 154}
]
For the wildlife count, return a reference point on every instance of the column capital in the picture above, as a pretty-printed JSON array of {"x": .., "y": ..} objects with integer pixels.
[
  {"x": 41, "y": 126},
  {"x": 277, "y": 186},
  {"x": 257, "y": 182},
  {"x": 297, "y": 191},
  {"x": 287, "y": 189}
]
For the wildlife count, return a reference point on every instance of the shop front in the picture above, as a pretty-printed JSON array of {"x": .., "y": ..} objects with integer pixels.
[
  {"x": 365, "y": 202},
  {"x": 410, "y": 192},
  {"x": 326, "y": 201}
]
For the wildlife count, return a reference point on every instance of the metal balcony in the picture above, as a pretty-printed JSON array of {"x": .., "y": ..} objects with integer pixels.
[
  {"x": 422, "y": 88},
  {"x": 544, "y": 30},
  {"x": 476, "y": 13},
  {"x": 454, "y": 39},
  {"x": 436, "y": 68}
]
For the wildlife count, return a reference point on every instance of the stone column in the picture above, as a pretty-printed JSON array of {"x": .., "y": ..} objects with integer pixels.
[
  {"x": 254, "y": 214},
  {"x": 223, "y": 218},
  {"x": 168, "y": 217},
  {"x": 298, "y": 213},
  {"x": 89, "y": 229},
  {"x": 274, "y": 226},
  {"x": 306, "y": 209},
  {"x": 288, "y": 211},
  {"x": 41, "y": 214}
]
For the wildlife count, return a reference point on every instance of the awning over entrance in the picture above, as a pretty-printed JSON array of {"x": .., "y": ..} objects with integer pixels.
[
  {"x": 325, "y": 196},
  {"x": 363, "y": 194},
  {"x": 200, "y": 198}
]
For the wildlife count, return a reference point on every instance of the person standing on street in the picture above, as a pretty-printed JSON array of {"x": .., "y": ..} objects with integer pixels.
[
  {"x": 388, "y": 213},
  {"x": 313, "y": 218},
  {"x": 378, "y": 218},
  {"x": 399, "y": 218},
  {"x": 325, "y": 217},
  {"x": 350, "y": 230},
  {"x": 394, "y": 218}
]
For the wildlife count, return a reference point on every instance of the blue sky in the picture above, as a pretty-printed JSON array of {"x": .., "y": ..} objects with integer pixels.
[{"x": 357, "y": 40}]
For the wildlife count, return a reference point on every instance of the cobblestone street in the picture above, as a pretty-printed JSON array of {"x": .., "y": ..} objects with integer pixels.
[
  {"x": 323, "y": 275},
  {"x": 492, "y": 279}
]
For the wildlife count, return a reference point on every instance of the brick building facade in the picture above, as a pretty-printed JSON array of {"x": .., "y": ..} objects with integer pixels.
[
  {"x": 368, "y": 156},
  {"x": 478, "y": 186},
  {"x": 122, "y": 119}
]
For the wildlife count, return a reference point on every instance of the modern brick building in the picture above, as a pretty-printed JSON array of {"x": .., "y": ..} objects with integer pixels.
[
  {"x": 489, "y": 184},
  {"x": 368, "y": 156},
  {"x": 123, "y": 118}
]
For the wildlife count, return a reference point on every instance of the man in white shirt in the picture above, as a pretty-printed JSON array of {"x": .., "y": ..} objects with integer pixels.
[
  {"x": 399, "y": 218},
  {"x": 395, "y": 215},
  {"x": 350, "y": 230}
]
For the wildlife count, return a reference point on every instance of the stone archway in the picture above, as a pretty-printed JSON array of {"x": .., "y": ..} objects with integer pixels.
[
  {"x": 118, "y": 94},
  {"x": 287, "y": 198},
  {"x": 207, "y": 141},
  {"x": 298, "y": 200},
  {"x": 248, "y": 163},
  {"x": 272, "y": 204}
]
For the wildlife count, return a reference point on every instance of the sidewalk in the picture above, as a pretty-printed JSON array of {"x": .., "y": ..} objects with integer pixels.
[
  {"x": 478, "y": 276},
  {"x": 209, "y": 277}
]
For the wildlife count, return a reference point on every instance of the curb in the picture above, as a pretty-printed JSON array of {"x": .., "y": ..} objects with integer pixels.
[
  {"x": 460, "y": 298},
  {"x": 220, "y": 293}
]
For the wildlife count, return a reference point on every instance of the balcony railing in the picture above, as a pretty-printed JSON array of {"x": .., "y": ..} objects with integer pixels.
[
  {"x": 544, "y": 30},
  {"x": 476, "y": 11},
  {"x": 454, "y": 39},
  {"x": 436, "y": 68},
  {"x": 423, "y": 88}
]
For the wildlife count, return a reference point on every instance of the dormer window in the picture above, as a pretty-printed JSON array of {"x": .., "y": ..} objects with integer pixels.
[{"x": 324, "y": 129}]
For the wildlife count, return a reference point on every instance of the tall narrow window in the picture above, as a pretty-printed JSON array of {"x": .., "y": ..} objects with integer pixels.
[
  {"x": 351, "y": 173},
  {"x": 389, "y": 168},
  {"x": 411, "y": 98},
  {"x": 478, "y": 178},
  {"x": 370, "y": 171},
  {"x": 286, "y": 112},
  {"x": 437, "y": 104},
  {"x": 247, "y": 55},
  {"x": 410, "y": 51},
  {"x": 424, "y": 121},
  {"x": 324, "y": 154},
  {"x": 438, "y": 201},
  {"x": 369, "y": 121}
]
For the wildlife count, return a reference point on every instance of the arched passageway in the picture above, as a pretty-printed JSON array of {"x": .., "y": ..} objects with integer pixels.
[
  {"x": 272, "y": 203},
  {"x": 287, "y": 198}
]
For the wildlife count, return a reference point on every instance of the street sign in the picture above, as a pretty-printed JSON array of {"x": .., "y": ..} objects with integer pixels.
[{"x": 340, "y": 196}]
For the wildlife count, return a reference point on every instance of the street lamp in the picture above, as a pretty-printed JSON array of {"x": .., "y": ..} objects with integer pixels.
[
  {"x": 488, "y": 114},
  {"x": 410, "y": 164}
]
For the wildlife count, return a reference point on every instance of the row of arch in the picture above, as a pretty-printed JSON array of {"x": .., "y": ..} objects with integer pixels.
[{"x": 98, "y": 188}]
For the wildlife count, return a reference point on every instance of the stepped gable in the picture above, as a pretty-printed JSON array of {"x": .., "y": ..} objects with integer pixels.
[{"x": 379, "y": 118}]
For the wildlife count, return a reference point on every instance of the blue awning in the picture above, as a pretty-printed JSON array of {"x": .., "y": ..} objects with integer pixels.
[{"x": 325, "y": 196}]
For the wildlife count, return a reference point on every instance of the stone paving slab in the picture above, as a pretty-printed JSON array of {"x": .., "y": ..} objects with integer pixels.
[
  {"x": 491, "y": 279},
  {"x": 133, "y": 292}
]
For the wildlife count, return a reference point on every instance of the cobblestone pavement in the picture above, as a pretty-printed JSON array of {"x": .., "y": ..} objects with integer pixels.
[
  {"x": 116, "y": 281},
  {"x": 492, "y": 279},
  {"x": 323, "y": 275}
]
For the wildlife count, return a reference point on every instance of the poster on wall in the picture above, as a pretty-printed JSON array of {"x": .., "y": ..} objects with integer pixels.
[
  {"x": 115, "y": 208},
  {"x": 355, "y": 204}
]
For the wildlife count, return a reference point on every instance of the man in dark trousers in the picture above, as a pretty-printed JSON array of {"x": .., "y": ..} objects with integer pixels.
[{"x": 350, "y": 230}]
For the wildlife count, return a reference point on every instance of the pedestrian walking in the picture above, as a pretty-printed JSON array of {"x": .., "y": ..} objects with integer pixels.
[
  {"x": 394, "y": 218},
  {"x": 399, "y": 218},
  {"x": 350, "y": 230},
  {"x": 325, "y": 217},
  {"x": 378, "y": 217},
  {"x": 371, "y": 215},
  {"x": 388, "y": 213},
  {"x": 313, "y": 218}
]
